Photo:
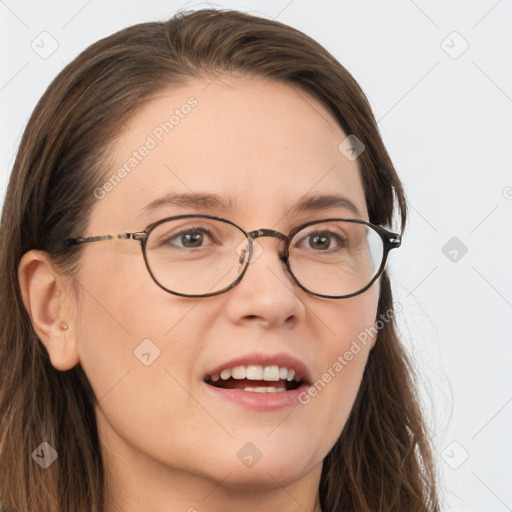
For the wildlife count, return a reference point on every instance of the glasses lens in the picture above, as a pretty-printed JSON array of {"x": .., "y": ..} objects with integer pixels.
[
  {"x": 196, "y": 256},
  {"x": 336, "y": 258}
]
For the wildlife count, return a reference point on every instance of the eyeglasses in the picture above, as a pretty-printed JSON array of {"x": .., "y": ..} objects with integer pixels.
[{"x": 204, "y": 255}]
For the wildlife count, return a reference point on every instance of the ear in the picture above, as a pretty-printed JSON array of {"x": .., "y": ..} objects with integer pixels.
[{"x": 44, "y": 292}]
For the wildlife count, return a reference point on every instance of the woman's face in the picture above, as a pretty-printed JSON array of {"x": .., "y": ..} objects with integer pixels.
[{"x": 260, "y": 147}]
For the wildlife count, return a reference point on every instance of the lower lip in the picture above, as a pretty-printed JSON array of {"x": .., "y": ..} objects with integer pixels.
[{"x": 266, "y": 401}]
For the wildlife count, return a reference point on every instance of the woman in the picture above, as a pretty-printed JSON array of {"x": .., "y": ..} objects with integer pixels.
[{"x": 196, "y": 314}]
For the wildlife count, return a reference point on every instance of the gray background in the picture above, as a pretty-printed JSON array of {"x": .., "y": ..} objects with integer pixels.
[{"x": 445, "y": 113}]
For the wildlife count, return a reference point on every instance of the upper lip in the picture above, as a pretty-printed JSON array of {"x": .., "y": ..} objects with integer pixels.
[{"x": 281, "y": 359}]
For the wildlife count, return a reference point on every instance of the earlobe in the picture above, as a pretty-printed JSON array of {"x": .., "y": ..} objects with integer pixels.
[{"x": 43, "y": 290}]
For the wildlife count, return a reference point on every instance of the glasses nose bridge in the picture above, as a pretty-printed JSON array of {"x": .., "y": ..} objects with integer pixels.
[
  {"x": 272, "y": 233},
  {"x": 260, "y": 233}
]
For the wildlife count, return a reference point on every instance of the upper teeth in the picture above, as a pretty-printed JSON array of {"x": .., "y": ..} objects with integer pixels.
[{"x": 256, "y": 372}]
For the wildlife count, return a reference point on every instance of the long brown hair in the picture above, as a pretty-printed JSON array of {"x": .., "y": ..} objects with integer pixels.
[{"x": 382, "y": 460}]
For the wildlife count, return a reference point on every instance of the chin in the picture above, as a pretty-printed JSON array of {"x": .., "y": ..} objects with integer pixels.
[
  {"x": 266, "y": 476},
  {"x": 253, "y": 468}
]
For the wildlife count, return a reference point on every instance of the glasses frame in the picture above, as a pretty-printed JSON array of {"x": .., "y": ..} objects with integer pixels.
[{"x": 390, "y": 241}]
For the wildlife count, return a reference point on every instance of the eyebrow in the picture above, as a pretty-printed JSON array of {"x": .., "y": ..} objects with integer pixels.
[
  {"x": 213, "y": 202},
  {"x": 314, "y": 203},
  {"x": 196, "y": 201}
]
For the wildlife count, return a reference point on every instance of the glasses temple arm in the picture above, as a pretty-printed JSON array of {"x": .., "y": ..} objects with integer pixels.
[{"x": 123, "y": 236}]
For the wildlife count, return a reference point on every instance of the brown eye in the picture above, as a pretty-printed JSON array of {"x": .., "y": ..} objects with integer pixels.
[
  {"x": 322, "y": 241},
  {"x": 191, "y": 239},
  {"x": 187, "y": 238}
]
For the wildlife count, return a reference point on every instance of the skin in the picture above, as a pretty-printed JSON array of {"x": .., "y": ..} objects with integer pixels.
[{"x": 168, "y": 446}]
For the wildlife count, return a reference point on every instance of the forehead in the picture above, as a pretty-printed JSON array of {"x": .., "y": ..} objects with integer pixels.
[{"x": 259, "y": 145}]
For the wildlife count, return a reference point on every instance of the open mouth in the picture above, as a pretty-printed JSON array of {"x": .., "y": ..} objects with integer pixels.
[{"x": 255, "y": 378}]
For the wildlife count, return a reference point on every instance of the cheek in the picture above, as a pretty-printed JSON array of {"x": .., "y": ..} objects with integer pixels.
[
  {"x": 137, "y": 344},
  {"x": 351, "y": 323},
  {"x": 344, "y": 358},
  {"x": 126, "y": 323}
]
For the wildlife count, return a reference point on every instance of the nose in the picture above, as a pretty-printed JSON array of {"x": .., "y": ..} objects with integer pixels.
[{"x": 267, "y": 294}]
